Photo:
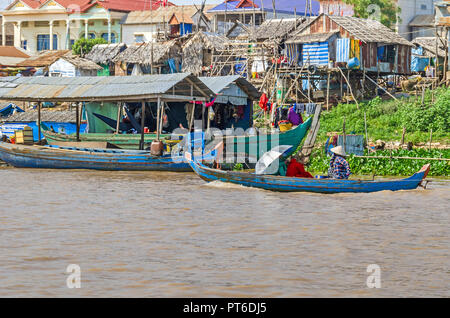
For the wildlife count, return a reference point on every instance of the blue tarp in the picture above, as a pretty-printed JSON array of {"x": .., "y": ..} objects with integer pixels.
[
  {"x": 342, "y": 50},
  {"x": 315, "y": 53},
  {"x": 185, "y": 28},
  {"x": 419, "y": 63}
]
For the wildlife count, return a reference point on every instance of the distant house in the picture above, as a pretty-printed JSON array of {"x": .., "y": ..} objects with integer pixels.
[
  {"x": 188, "y": 19},
  {"x": 198, "y": 52},
  {"x": 424, "y": 53},
  {"x": 336, "y": 7},
  {"x": 422, "y": 26},
  {"x": 140, "y": 58},
  {"x": 41, "y": 25},
  {"x": 71, "y": 66},
  {"x": 257, "y": 11},
  {"x": 409, "y": 11},
  {"x": 164, "y": 22},
  {"x": 103, "y": 54},
  {"x": 339, "y": 39}
]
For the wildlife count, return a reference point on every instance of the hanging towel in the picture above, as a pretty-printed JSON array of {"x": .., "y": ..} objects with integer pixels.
[
  {"x": 310, "y": 108},
  {"x": 299, "y": 108}
]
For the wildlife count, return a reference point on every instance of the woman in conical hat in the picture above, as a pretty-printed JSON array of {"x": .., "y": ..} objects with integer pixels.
[{"x": 339, "y": 167}]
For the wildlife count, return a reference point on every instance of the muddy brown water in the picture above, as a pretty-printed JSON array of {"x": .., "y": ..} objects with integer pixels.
[{"x": 140, "y": 234}]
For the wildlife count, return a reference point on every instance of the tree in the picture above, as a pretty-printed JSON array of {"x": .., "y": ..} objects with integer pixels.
[
  {"x": 385, "y": 11},
  {"x": 83, "y": 46}
]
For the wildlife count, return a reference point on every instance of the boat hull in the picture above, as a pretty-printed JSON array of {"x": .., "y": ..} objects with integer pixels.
[
  {"x": 254, "y": 146},
  {"x": 288, "y": 184},
  {"x": 98, "y": 159}
]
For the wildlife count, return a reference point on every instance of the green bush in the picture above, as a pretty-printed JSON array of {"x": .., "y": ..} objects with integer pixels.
[
  {"x": 83, "y": 46},
  {"x": 386, "y": 119},
  {"x": 386, "y": 166}
]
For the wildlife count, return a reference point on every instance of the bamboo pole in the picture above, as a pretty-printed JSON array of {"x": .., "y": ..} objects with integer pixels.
[
  {"x": 77, "y": 108},
  {"x": 141, "y": 144},
  {"x": 367, "y": 135},
  {"x": 119, "y": 109},
  {"x": 395, "y": 157},
  {"x": 380, "y": 87},
  {"x": 39, "y": 120},
  {"x": 344, "y": 137},
  {"x": 328, "y": 91},
  {"x": 351, "y": 91}
]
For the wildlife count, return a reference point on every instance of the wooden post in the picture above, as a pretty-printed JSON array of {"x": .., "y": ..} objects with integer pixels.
[
  {"x": 119, "y": 111},
  {"x": 403, "y": 135},
  {"x": 365, "y": 128},
  {"x": 158, "y": 116},
  {"x": 141, "y": 143},
  {"x": 423, "y": 95},
  {"x": 328, "y": 90},
  {"x": 77, "y": 109},
  {"x": 344, "y": 138},
  {"x": 39, "y": 120},
  {"x": 431, "y": 137}
]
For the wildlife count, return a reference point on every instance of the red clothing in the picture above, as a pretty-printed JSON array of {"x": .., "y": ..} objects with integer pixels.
[
  {"x": 296, "y": 169},
  {"x": 263, "y": 102}
]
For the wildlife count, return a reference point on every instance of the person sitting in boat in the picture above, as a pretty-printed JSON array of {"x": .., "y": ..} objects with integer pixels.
[
  {"x": 296, "y": 169},
  {"x": 339, "y": 167}
]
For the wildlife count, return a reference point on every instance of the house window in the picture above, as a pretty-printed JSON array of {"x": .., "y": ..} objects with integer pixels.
[
  {"x": 113, "y": 37},
  {"x": 39, "y": 24},
  {"x": 72, "y": 42},
  {"x": 24, "y": 44},
  {"x": 43, "y": 42},
  {"x": 24, "y": 24},
  {"x": 90, "y": 36},
  {"x": 139, "y": 38},
  {"x": 423, "y": 7}
]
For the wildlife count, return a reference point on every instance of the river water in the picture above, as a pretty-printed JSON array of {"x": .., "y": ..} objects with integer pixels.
[{"x": 141, "y": 234}]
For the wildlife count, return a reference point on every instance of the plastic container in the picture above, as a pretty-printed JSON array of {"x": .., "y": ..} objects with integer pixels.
[{"x": 353, "y": 63}]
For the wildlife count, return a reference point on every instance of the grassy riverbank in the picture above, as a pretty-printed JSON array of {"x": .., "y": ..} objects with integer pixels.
[
  {"x": 385, "y": 121},
  {"x": 386, "y": 166}
]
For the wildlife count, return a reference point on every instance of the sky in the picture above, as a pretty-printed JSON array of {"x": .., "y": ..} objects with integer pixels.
[{"x": 5, "y": 3}]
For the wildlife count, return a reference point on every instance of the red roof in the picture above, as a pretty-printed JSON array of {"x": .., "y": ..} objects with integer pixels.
[{"x": 115, "y": 5}]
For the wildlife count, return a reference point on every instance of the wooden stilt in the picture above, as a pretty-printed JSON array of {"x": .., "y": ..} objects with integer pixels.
[
  {"x": 119, "y": 112},
  {"x": 77, "y": 108},
  {"x": 39, "y": 122},
  {"x": 141, "y": 143}
]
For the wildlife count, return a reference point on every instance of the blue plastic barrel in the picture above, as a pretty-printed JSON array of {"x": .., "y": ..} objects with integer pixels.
[{"x": 353, "y": 63}]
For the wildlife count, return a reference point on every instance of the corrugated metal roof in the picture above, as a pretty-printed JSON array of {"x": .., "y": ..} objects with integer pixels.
[
  {"x": 311, "y": 38},
  {"x": 423, "y": 20},
  {"x": 64, "y": 116},
  {"x": 115, "y": 88},
  {"x": 219, "y": 83}
]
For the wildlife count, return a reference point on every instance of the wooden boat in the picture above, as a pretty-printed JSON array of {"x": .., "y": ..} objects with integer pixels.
[
  {"x": 288, "y": 184},
  {"x": 249, "y": 144},
  {"x": 54, "y": 157},
  {"x": 123, "y": 141}
]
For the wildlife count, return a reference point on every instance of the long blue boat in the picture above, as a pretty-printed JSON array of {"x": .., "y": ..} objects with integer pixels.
[
  {"x": 290, "y": 184},
  {"x": 54, "y": 157}
]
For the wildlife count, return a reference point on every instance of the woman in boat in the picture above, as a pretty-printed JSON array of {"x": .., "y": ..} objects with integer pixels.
[
  {"x": 296, "y": 169},
  {"x": 339, "y": 167}
]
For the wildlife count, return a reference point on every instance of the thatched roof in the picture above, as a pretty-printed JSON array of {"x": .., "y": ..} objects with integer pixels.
[
  {"x": 193, "y": 50},
  {"x": 429, "y": 46},
  {"x": 80, "y": 62},
  {"x": 105, "y": 53},
  {"x": 208, "y": 40},
  {"x": 44, "y": 59},
  {"x": 276, "y": 28},
  {"x": 142, "y": 53}
]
